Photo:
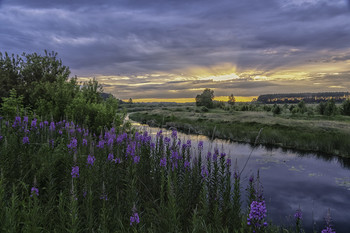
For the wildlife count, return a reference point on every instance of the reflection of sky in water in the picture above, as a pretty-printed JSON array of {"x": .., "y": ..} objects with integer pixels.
[{"x": 289, "y": 180}]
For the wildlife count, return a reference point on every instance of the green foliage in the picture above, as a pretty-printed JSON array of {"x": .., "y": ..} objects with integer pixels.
[
  {"x": 41, "y": 84},
  {"x": 276, "y": 109},
  {"x": 231, "y": 100},
  {"x": 330, "y": 109},
  {"x": 346, "y": 107},
  {"x": 12, "y": 105},
  {"x": 206, "y": 98}
]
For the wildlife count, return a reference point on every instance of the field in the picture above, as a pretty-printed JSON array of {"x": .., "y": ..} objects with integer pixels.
[{"x": 317, "y": 133}]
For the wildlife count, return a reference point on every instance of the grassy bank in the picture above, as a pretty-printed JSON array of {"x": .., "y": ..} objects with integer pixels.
[
  {"x": 316, "y": 133},
  {"x": 58, "y": 177}
]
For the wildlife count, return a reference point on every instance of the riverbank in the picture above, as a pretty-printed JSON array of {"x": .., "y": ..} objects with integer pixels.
[{"x": 306, "y": 134}]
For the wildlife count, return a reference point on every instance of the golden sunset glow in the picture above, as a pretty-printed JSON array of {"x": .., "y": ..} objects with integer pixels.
[{"x": 190, "y": 100}]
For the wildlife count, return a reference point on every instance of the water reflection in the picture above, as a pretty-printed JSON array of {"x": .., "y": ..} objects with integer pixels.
[{"x": 291, "y": 179}]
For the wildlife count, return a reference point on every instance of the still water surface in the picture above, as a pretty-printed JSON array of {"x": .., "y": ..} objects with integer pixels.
[{"x": 290, "y": 180}]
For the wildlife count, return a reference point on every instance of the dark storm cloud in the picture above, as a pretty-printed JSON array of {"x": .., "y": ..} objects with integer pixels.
[{"x": 131, "y": 37}]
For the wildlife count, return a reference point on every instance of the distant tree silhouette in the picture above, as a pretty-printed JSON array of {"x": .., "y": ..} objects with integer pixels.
[
  {"x": 206, "y": 98},
  {"x": 231, "y": 100}
]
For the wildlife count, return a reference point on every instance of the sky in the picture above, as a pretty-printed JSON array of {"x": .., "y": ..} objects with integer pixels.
[{"x": 174, "y": 49}]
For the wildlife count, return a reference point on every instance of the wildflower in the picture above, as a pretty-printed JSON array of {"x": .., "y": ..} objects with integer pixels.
[
  {"x": 1, "y": 137},
  {"x": 117, "y": 160},
  {"x": 101, "y": 144},
  {"x": 209, "y": 156},
  {"x": 298, "y": 215},
  {"x": 153, "y": 145},
  {"x": 200, "y": 145},
  {"x": 17, "y": 121},
  {"x": 52, "y": 143},
  {"x": 166, "y": 141},
  {"x": 188, "y": 143},
  {"x": 84, "y": 142},
  {"x": 222, "y": 155},
  {"x": 228, "y": 162},
  {"x": 33, "y": 124},
  {"x": 25, "y": 119},
  {"x": 75, "y": 172},
  {"x": 257, "y": 215},
  {"x": 90, "y": 160},
  {"x": 134, "y": 218},
  {"x": 328, "y": 230},
  {"x": 60, "y": 132},
  {"x": 174, "y": 134},
  {"x": 52, "y": 126},
  {"x": 104, "y": 197},
  {"x": 136, "y": 159},
  {"x": 163, "y": 162},
  {"x": 41, "y": 125},
  {"x": 72, "y": 146},
  {"x": 159, "y": 133},
  {"x": 204, "y": 172},
  {"x": 187, "y": 164},
  {"x": 34, "y": 192},
  {"x": 110, "y": 157},
  {"x": 25, "y": 140}
]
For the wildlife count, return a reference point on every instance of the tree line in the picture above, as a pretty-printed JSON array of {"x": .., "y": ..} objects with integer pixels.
[{"x": 34, "y": 84}]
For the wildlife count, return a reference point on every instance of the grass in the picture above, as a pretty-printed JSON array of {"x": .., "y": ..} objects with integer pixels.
[
  {"x": 58, "y": 177},
  {"x": 330, "y": 135}
]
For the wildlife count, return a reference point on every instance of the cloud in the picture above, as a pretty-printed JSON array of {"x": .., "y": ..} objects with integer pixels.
[{"x": 171, "y": 38}]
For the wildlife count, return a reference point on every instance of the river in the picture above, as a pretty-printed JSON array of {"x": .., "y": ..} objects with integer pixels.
[{"x": 314, "y": 183}]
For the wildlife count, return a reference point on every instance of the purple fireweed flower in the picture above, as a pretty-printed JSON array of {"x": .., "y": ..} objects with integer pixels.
[
  {"x": 166, "y": 141},
  {"x": 228, "y": 162},
  {"x": 25, "y": 140},
  {"x": 117, "y": 160},
  {"x": 110, "y": 157},
  {"x": 257, "y": 215},
  {"x": 162, "y": 162},
  {"x": 79, "y": 130},
  {"x": 41, "y": 125},
  {"x": 187, "y": 164},
  {"x": 60, "y": 132},
  {"x": 84, "y": 194},
  {"x": 328, "y": 230},
  {"x": 159, "y": 133},
  {"x": 222, "y": 155},
  {"x": 101, "y": 144},
  {"x": 84, "y": 142},
  {"x": 174, "y": 134},
  {"x": 110, "y": 141},
  {"x": 184, "y": 146},
  {"x": 104, "y": 197},
  {"x": 204, "y": 172},
  {"x": 46, "y": 123},
  {"x": 298, "y": 215},
  {"x": 188, "y": 143},
  {"x": 52, "y": 143},
  {"x": 251, "y": 179},
  {"x": 34, "y": 192},
  {"x": 72, "y": 146},
  {"x": 75, "y": 172},
  {"x": 33, "y": 124},
  {"x": 200, "y": 145},
  {"x": 130, "y": 150},
  {"x": 136, "y": 159},
  {"x": 25, "y": 119},
  {"x": 209, "y": 156},
  {"x": 71, "y": 131},
  {"x": 134, "y": 219},
  {"x": 52, "y": 126},
  {"x": 17, "y": 122},
  {"x": 90, "y": 160},
  {"x": 153, "y": 145},
  {"x": 1, "y": 137}
]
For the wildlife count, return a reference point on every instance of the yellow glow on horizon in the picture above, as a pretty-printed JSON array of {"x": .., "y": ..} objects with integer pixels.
[{"x": 190, "y": 100}]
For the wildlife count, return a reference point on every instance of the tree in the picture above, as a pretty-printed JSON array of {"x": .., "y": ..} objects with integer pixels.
[
  {"x": 206, "y": 98},
  {"x": 346, "y": 107},
  {"x": 231, "y": 100},
  {"x": 331, "y": 108},
  {"x": 130, "y": 101}
]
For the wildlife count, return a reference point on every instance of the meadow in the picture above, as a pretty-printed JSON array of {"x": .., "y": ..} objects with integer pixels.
[
  {"x": 61, "y": 177},
  {"x": 304, "y": 132}
]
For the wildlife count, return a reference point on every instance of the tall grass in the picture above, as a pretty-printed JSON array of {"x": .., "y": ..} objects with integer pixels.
[{"x": 58, "y": 177}]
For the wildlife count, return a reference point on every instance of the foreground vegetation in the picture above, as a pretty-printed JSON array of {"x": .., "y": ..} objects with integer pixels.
[
  {"x": 58, "y": 177},
  {"x": 318, "y": 133}
]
